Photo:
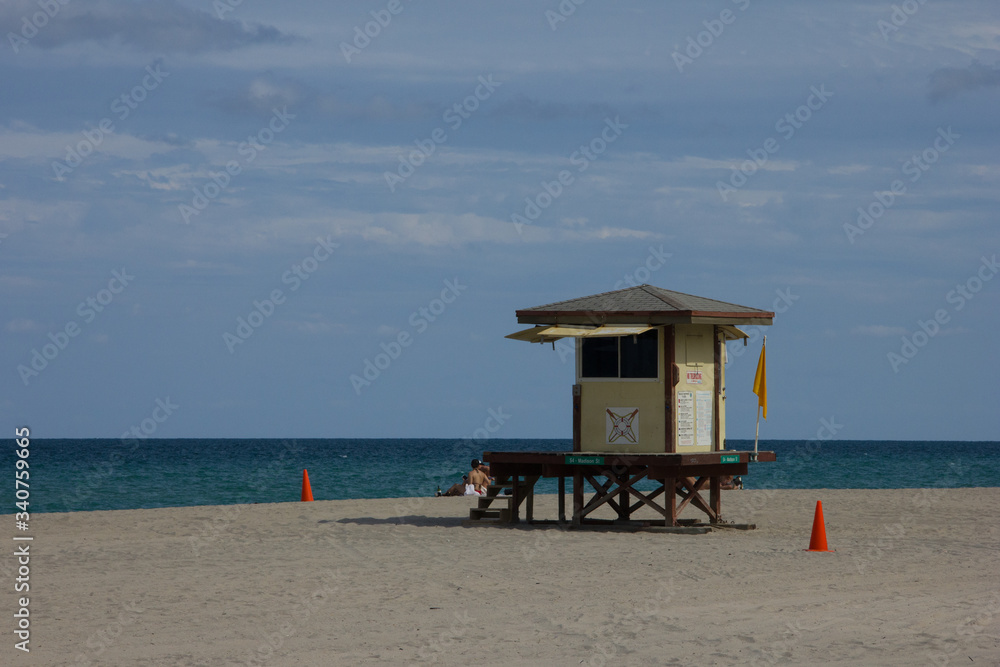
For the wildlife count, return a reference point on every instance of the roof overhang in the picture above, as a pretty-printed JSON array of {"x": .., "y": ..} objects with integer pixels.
[
  {"x": 546, "y": 334},
  {"x": 637, "y": 318}
]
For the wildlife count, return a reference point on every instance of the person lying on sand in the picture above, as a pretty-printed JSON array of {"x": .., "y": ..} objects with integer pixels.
[
  {"x": 728, "y": 482},
  {"x": 457, "y": 489}
]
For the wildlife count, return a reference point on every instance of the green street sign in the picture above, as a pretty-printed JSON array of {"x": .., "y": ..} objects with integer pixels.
[
  {"x": 585, "y": 460},
  {"x": 730, "y": 458}
]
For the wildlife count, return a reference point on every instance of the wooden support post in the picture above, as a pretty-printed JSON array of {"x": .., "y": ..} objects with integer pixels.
[
  {"x": 623, "y": 499},
  {"x": 718, "y": 443},
  {"x": 562, "y": 499},
  {"x": 529, "y": 510},
  {"x": 577, "y": 391},
  {"x": 669, "y": 399},
  {"x": 670, "y": 500},
  {"x": 515, "y": 504},
  {"x": 577, "y": 495},
  {"x": 715, "y": 497}
]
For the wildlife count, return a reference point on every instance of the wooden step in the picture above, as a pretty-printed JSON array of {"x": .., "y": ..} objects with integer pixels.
[
  {"x": 484, "y": 501},
  {"x": 509, "y": 487},
  {"x": 478, "y": 514},
  {"x": 523, "y": 491}
]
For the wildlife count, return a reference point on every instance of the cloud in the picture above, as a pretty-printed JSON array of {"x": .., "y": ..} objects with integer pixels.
[
  {"x": 161, "y": 26},
  {"x": 456, "y": 230},
  {"x": 605, "y": 233},
  {"x": 427, "y": 229},
  {"x": 314, "y": 325},
  {"x": 848, "y": 169},
  {"x": 167, "y": 178},
  {"x": 950, "y": 81},
  {"x": 17, "y": 284},
  {"x": 267, "y": 91},
  {"x": 22, "y": 325},
  {"x": 264, "y": 93},
  {"x": 531, "y": 109},
  {"x": 696, "y": 162}
]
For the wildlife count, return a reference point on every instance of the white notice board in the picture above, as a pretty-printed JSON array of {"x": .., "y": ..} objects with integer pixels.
[
  {"x": 703, "y": 406},
  {"x": 685, "y": 419}
]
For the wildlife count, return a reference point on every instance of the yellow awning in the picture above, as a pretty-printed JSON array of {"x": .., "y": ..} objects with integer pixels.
[{"x": 553, "y": 333}]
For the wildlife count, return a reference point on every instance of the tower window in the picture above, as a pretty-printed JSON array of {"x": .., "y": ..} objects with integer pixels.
[{"x": 620, "y": 357}]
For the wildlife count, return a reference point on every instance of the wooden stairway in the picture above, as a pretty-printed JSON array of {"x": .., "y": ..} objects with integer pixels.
[{"x": 498, "y": 507}]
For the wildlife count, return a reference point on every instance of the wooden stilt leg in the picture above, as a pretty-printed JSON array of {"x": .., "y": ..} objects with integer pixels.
[
  {"x": 670, "y": 500},
  {"x": 715, "y": 497},
  {"x": 515, "y": 504},
  {"x": 529, "y": 505},
  {"x": 577, "y": 496},
  {"x": 562, "y": 499},
  {"x": 623, "y": 499}
]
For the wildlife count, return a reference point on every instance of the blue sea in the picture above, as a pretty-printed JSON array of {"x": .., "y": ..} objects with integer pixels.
[{"x": 107, "y": 474}]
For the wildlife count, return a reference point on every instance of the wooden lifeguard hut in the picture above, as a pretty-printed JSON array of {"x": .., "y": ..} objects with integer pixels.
[{"x": 648, "y": 403}]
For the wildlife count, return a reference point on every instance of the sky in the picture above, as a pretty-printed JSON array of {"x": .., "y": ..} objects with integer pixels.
[{"x": 216, "y": 216}]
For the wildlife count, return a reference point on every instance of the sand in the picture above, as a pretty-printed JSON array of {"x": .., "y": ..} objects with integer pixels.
[{"x": 915, "y": 579}]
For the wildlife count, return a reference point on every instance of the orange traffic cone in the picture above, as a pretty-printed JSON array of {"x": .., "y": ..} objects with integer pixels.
[
  {"x": 307, "y": 492},
  {"x": 817, "y": 542}
]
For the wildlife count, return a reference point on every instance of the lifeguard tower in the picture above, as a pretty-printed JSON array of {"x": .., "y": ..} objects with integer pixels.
[{"x": 648, "y": 403}]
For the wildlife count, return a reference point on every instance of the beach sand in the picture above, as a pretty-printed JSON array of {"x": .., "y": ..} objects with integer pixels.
[{"x": 914, "y": 581}]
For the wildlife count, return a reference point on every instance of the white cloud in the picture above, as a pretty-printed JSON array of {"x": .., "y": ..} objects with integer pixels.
[
  {"x": 20, "y": 140},
  {"x": 424, "y": 229},
  {"x": 605, "y": 233},
  {"x": 848, "y": 169},
  {"x": 314, "y": 327},
  {"x": 695, "y": 162},
  {"x": 22, "y": 325},
  {"x": 165, "y": 26}
]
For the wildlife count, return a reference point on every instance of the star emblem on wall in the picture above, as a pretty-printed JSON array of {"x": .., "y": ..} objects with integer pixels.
[{"x": 621, "y": 426}]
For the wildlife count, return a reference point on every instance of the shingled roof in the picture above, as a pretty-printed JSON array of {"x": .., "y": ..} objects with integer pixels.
[{"x": 644, "y": 304}]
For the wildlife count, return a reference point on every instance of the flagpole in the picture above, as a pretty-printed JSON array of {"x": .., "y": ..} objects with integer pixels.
[{"x": 756, "y": 435}]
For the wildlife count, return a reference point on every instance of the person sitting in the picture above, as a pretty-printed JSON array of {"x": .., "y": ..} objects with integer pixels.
[
  {"x": 478, "y": 478},
  {"x": 473, "y": 484}
]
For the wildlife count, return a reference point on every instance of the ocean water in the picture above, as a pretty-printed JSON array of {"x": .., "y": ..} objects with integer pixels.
[{"x": 104, "y": 474}]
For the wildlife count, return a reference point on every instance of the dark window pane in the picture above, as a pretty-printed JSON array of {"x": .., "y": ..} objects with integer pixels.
[
  {"x": 639, "y": 355},
  {"x": 600, "y": 357}
]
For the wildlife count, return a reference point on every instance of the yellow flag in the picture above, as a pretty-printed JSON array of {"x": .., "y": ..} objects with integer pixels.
[{"x": 760, "y": 382}]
